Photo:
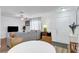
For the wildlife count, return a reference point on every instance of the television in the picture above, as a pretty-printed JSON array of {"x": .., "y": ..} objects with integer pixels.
[{"x": 12, "y": 29}]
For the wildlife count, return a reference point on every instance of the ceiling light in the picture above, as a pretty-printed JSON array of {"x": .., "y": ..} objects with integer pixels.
[{"x": 63, "y": 9}]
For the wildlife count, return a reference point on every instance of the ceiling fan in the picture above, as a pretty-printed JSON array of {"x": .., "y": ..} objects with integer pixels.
[{"x": 22, "y": 16}]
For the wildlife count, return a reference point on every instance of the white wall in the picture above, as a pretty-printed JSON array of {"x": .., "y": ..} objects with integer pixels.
[
  {"x": 63, "y": 20},
  {"x": 0, "y": 27},
  {"x": 58, "y": 24},
  {"x": 9, "y": 21}
]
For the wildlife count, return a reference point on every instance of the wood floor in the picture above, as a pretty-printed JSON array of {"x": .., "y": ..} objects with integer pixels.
[{"x": 60, "y": 48}]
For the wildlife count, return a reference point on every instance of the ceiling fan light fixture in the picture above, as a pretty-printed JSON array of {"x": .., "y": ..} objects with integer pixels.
[{"x": 22, "y": 19}]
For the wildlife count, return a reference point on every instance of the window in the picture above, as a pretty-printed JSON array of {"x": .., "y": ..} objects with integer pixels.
[{"x": 35, "y": 23}]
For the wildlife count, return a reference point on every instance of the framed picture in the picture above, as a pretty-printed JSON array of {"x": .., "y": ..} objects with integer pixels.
[{"x": 27, "y": 23}]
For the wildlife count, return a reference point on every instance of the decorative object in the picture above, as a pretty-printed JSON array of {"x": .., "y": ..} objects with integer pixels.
[
  {"x": 24, "y": 28},
  {"x": 45, "y": 28},
  {"x": 74, "y": 25}
]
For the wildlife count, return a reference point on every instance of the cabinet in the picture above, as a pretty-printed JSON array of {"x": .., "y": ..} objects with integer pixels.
[{"x": 45, "y": 36}]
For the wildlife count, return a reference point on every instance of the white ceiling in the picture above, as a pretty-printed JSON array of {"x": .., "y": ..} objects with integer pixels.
[{"x": 28, "y": 10}]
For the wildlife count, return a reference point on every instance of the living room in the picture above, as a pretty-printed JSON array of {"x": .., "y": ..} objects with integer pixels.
[{"x": 30, "y": 21}]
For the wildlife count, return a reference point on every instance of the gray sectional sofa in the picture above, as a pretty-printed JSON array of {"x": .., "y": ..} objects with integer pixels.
[
  {"x": 27, "y": 36},
  {"x": 32, "y": 35}
]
